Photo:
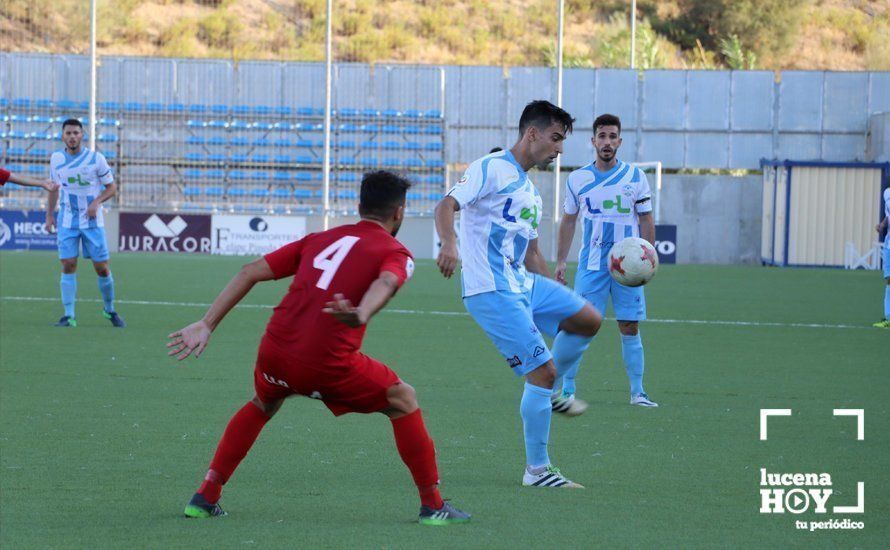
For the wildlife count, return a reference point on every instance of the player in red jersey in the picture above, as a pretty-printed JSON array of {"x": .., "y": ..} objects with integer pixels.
[
  {"x": 6, "y": 175},
  {"x": 311, "y": 345}
]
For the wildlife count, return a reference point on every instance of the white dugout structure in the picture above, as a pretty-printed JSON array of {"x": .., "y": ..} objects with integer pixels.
[{"x": 813, "y": 212}]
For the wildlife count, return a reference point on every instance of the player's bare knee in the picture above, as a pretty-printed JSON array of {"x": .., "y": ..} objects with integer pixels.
[
  {"x": 592, "y": 321},
  {"x": 69, "y": 266},
  {"x": 101, "y": 268},
  {"x": 628, "y": 328},
  {"x": 269, "y": 409},
  {"x": 543, "y": 376},
  {"x": 402, "y": 398}
]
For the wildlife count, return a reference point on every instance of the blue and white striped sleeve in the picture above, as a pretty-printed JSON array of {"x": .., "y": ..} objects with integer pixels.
[
  {"x": 471, "y": 186},
  {"x": 103, "y": 171},
  {"x": 571, "y": 205},
  {"x": 643, "y": 200}
]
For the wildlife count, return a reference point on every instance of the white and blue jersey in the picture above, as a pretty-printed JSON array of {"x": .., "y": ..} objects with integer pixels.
[
  {"x": 82, "y": 178},
  {"x": 609, "y": 204},
  {"x": 500, "y": 212},
  {"x": 886, "y": 250}
]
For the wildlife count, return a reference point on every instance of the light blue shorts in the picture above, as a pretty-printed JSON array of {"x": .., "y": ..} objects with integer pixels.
[
  {"x": 514, "y": 321},
  {"x": 91, "y": 239},
  {"x": 628, "y": 302},
  {"x": 886, "y": 252}
]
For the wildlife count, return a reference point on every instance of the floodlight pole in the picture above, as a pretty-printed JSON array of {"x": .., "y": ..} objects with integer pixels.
[
  {"x": 633, "y": 33},
  {"x": 326, "y": 167},
  {"x": 92, "y": 121},
  {"x": 558, "y": 165}
]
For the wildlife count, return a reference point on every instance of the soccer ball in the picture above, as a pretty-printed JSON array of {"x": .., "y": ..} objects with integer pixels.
[{"x": 633, "y": 261}]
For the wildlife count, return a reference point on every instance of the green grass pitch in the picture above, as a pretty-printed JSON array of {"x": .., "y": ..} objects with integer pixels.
[{"x": 104, "y": 438}]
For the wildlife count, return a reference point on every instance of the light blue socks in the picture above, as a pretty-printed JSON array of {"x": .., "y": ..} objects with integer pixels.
[
  {"x": 68, "y": 285},
  {"x": 567, "y": 350},
  {"x": 887, "y": 302},
  {"x": 106, "y": 288},
  {"x": 632, "y": 353},
  {"x": 535, "y": 412}
]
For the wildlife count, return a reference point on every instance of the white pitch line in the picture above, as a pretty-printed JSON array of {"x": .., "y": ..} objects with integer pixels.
[{"x": 451, "y": 313}]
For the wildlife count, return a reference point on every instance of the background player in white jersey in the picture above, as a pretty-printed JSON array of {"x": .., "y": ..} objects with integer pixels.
[
  {"x": 505, "y": 279},
  {"x": 85, "y": 183},
  {"x": 885, "y": 323},
  {"x": 614, "y": 202}
]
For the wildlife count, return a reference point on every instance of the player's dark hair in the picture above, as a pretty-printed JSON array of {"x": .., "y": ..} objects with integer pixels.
[
  {"x": 607, "y": 120},
  {"x": 381, "y": 194},
  {"x": 495, "y": 150},
  {"x": 72, "y": 122},
  {"x": 542, "y": 114}
]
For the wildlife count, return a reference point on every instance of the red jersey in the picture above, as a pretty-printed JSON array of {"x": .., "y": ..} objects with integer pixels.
[
  {"x": 344, "y": 260},
  {"x": 4, "y": 176}
]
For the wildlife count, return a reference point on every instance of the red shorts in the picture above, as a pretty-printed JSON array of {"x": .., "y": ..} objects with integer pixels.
[{"x": 358, "y": 385}]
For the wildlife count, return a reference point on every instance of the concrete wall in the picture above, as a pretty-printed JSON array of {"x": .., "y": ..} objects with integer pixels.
[
  {"x": 718, "y": 221},
  {"x": 878, "y": 139}
]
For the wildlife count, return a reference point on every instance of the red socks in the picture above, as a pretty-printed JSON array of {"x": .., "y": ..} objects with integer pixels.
[
  {"x": 238, "y": 438},
  {"x": 418, "y": 453}
]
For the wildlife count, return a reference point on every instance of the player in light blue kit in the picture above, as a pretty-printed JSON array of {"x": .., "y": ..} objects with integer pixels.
[
  {"x": 614, "y": 202},
  {"x": 504, "y": 277},
  {"x": 85, "y": 182},
  {"x": 885, "y": 323}
]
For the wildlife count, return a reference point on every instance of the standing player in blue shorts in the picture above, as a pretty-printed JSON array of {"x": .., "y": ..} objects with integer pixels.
[
  {"x": 614, "y": 202},
  {"x": 85, "y": 182},
  {"x": 504, "y": 277},
  {"x": 886, "y": 257}
]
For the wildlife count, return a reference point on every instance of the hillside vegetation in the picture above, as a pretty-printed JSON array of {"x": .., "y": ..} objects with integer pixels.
[{"x": 762, "y": 34}]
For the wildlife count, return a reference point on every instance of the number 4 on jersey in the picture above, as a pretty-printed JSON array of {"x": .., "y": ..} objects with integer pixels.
[{"x": 329, "y": 259}]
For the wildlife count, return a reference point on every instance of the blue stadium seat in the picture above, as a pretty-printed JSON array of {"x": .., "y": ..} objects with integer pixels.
[
  {"x": 304, "y": 159},
  {"x": 12, "y": 186},
  {"x": 194, "y": 157},
  {"x": 195, "y": 140},
  {"x": 217, "y": 157},
  {"x": 39, "y": 153},
  {"x": 411, "y": 130},
  {"x": 21, "y": 103},
  {"x": 283, "y": 159},
  {"x": 240, "y": 109},
  {"x": 349, "y": 128},
  {"x": 45, "y": 119},
  {"x": 192, "y": 191},
  {"x": 369, "y": 145},
  {"x": 236, "y": 192},
  {"x": 435, "y": 163},
  {"x": 239, "y": 141},
  {"x": 195, "y": 123},
  {"x": 107, "y": 137},
  {"x": 391, "y": 129},
  {"x": 66, "y": 104},
  {"x": 109, "y": 155},
  {"x": 281, "y": 126},
  {"x": 414, "y": 196},
  {"x": 217, "y": 124},
  {"x": 4, "y": 102},
  {"x": 261, "y": 142},
  {"x": 392, "y": 162},
  {"x": 109, "y": 122},
  {"x": 413, "y": 163},
  {"x": 192, "y": 173},
  {"x": 239, "y": 157},
  {"x": 432, "y": 130},
  {"x": 239, "y": 124},
  {"x": 282, "y": 193},
  {"x": 303, "y": 143},
  {"x": 214, "y": 175},
  {"x": 433, "y": 113},
  {"x": 37, "y": 169},
  {"x": 282, "y": 142},
  {"x": 238, "y": 175},
  {"x": 435, "y": 179},
  {"x": 347, "y": 144},
  {"x": 262, "y": 110},
  {"x": 303, "y": 194},
  {"x": 154, "y": 107},
  {"x": 259, "y": 158},
  {"x": 281, "y": 175},
  {"x": 346, "y": 194},
  {"x": 283, "y": 110},
  {"x": 349, "y": 112},
  {"x": 216, "y": 140},
  {"x": 370, "y": 162},
  {"x": 83, "y": 105},
  {"x": 19, "y": 118},
  {"x": 433, "y": 146},
  {"x": 433, "y": 196},
  {"x": 132, "y": 107},
  {"x": 15, "y": 167},
  {"x": 370, "y": 113},
  {"x": 370, "y": 128},
  {"x": 347, "y": 161},
  {"x": 16, "y": 152},
  {"x": 411, "y": 146},
  {"x": 413, "y": 113},
  {"x": 263, "y": 126},
  {"x": 214, "y": 191},
  {"x": 392, "y": 145},
  {"x": 260, "y": 175},
  {"x": 219, "y": 109},
  {"x": 305, "y": 111},
  {"x": 347, "y": 177},
  {"x": 391, "y": 113},
  {"x": 176, "y": 108},
  {"x": 197, "y": 108},
  {"x": 304, "y": 176},
  {"x": 259, "y": 192}
]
